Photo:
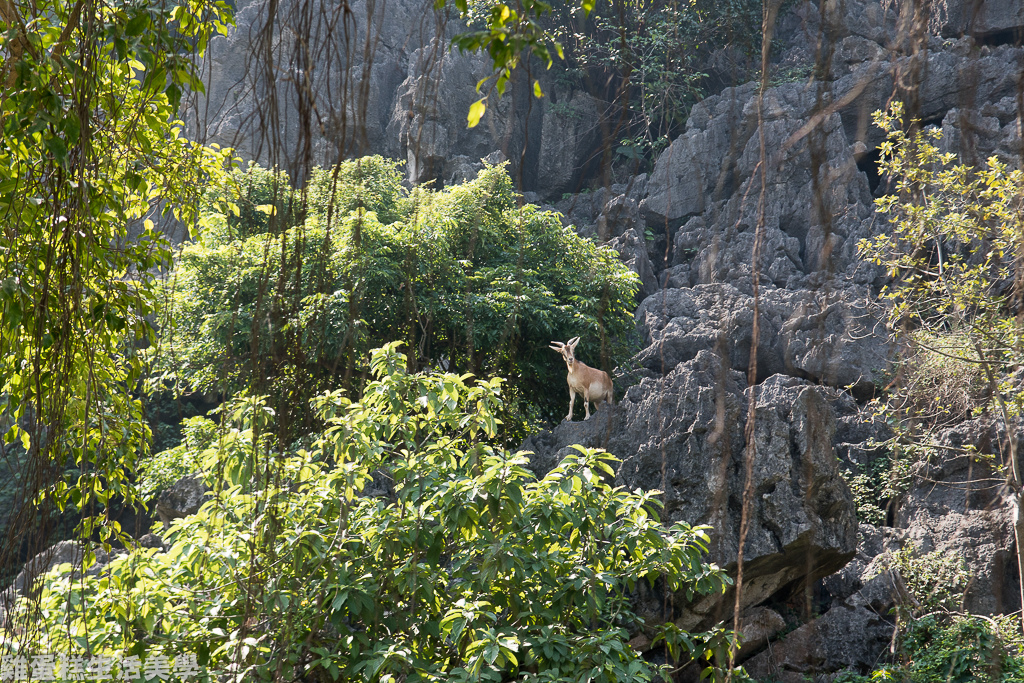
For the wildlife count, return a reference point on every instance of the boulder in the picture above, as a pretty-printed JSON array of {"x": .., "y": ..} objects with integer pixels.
[
  {"x": 847, "y": 637},
  {"x": 182, "y": 498},
  {"x": 695, "y": 170},
  {"x": 620, "y": 214},
  {"x": 683, "y": 434},
  {"x": 986, "y": 20},
  {"x": 758, "y": 625},
  {"x": 855, "y": 633},
  {"x": 64, "y": 552},
  {"x": 875, "y": 546}
]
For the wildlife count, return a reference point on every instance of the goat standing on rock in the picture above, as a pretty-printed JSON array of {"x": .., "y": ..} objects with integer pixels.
[{"x": 594, "y": 384}]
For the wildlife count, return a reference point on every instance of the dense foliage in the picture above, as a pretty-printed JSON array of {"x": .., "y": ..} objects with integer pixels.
[
  {"x": 651, "y": 60},
  {"x": 401, "y": 544},
  {"x": 379, "y": 539},
  {"x": 953, "y": 256},
  {"x": 90, "y": 146},
  {"x": 470, "y": 282}
]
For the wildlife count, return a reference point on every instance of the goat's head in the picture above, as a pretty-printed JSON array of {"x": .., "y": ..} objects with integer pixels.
[{"x": 567, "y": 350}]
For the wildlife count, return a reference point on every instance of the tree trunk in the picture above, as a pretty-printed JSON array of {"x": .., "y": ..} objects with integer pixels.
[{"x": 1018, "y": 537}]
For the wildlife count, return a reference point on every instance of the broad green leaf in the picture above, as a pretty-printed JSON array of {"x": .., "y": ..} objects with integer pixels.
[{"x": 476, "y": 112}]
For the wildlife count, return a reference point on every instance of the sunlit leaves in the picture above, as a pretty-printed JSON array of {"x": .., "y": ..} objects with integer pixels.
[
  {"x": 401, "y": 544},
  {"x": 89, "y": 146},
  {"x": 509, "y": 33},
  {"x": 468, "y": 279},
  {"x": 955, "y": 241},
  {"x": 476, "y": 112}
]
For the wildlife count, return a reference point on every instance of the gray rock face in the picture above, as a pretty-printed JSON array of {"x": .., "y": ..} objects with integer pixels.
[
  {"x": 344, "y": 71},
  {"x": 704, "y": 192},
  {"x": 683, "y": 434},
  {"x": 428, "y": 124},
  {"x": 875, "y": 546},
  {"x": 181, "y": 499},
  {"x": 979, "y": 18},
  {"x": 954, "y": 507},
  {"x": 758, "y": 626},
  {"x": 64, "y": 552},
  {"x": 380, "y": 79},
  {"x": 571, "y": 132},
  {"x": 28, "y": 581},
  {"x": 960, "y": 506},
  {"x": 846, "y": 637},
  {"x": 855, "y": 633},
  {"x": 620, "y": 214},
  {"x": 830, "y": 337},
  {"x": 632, "y": 250}
]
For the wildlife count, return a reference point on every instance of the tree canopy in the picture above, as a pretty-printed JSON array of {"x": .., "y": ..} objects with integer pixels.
[
  {"x": 470, "y": 282},
  {"x": 401, "y": 544},
  {"x": 91, "y": 152}
]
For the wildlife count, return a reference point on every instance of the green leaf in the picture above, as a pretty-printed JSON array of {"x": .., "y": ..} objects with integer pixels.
[
  {"x": 137, "y": 24},
  {"x": 476, "y": 112}
]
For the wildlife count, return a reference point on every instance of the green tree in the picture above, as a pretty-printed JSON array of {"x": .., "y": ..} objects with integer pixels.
[
  {"x": 955, "y": 257},
  {"x": 90, "y": 147},
  {"x": 467, "y": 279},
  {"x": 401, "y": 544},
  {"x": 651, "y": 59}
]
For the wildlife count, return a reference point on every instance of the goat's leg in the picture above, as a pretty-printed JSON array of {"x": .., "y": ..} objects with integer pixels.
[
  {"x": 586, "y": 404},
  {"x": 572, "y": 401}
]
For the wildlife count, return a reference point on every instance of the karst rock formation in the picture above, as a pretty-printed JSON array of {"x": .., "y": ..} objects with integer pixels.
[{"x": 385, "y": 82}]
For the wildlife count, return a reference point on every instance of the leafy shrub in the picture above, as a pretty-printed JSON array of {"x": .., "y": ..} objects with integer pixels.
[
  {"x": 865, "y": 498},
  {"x": 163, "y": 469},
  {"x": 940, "y": 381},
  {"x": 470, "y": 282},
  {"x": 886, "y": 478},
  {"x": 937, "y": 580},
  {"x": 963, "y": 648},
  {"x": 401, "y": 545}
]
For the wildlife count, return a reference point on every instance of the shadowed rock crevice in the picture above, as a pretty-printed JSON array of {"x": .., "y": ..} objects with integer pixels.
[{"x": 683, "y": 434}]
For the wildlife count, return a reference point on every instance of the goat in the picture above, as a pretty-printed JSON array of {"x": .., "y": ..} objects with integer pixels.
[{"x": 594, "y": 384}]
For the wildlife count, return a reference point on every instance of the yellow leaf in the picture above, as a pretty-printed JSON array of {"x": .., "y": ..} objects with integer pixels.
[
  {"x": 476, "y": 112},
  {"x": 536, "y": 90}
]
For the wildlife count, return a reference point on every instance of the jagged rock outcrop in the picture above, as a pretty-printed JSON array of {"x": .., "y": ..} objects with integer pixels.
[
  {"x": 831, "y": 337},
  {"x": 382, "y": 79},
  {"x": 632, "y": 248},
  {"x": 705, "y": 188},
  {"x": 346, "y": 75},
  {"x": 954, "y": 507},
  {"x": 957, "y": 504},
  {"x": 428, "y": 127},
  {"x": 683, "y": 434},
  {"x": 856, "y": 632}
]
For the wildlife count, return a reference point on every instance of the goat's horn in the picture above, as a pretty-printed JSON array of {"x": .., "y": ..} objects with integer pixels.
[
  {"x": 574, "y": 340},
  {"x": 557, "y": 346}
]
